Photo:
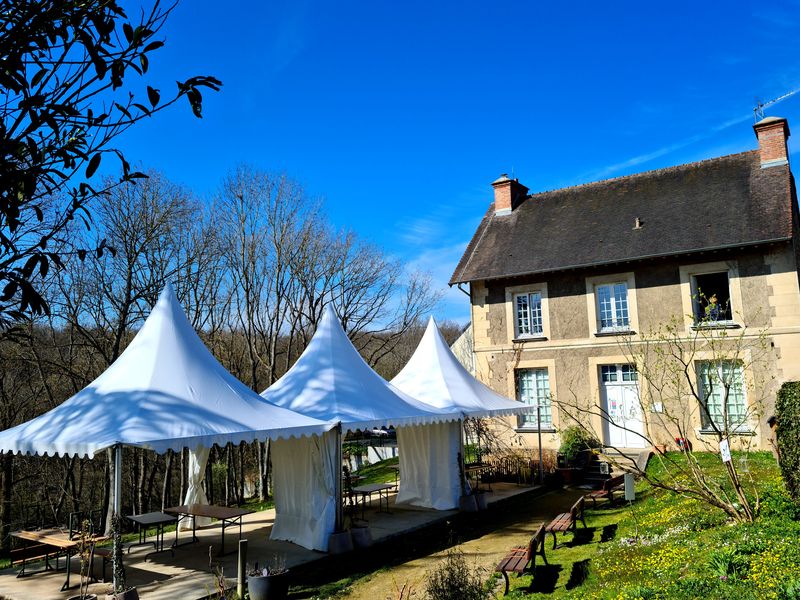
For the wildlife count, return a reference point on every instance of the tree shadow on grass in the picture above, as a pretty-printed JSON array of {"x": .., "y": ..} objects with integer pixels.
[
  {"x": 609, "y": 532},
  {"x": 580, "y": 571},
  {"x": 582, "y": 536},
  {"x": 545, "y": 578}
]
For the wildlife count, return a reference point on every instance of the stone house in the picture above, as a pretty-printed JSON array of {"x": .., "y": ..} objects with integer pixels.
[{"x": 568, "y": 288}]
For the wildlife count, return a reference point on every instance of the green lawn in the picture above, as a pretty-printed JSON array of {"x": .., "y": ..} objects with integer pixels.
[
  {"x": 666, "y": 546},
  {"x": 379, "y": 472}
]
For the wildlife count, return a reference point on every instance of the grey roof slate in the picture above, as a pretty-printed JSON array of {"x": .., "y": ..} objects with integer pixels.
[{"x": 712, "y": 204}]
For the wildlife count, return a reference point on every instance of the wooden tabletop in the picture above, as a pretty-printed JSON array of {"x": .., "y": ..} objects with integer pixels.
[
  {"x": 208, "y": 510},
  {"x": 53, "y": 537}
]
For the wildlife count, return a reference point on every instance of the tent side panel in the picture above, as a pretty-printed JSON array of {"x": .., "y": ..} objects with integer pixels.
[
  {"x": 303, "y": 475},
  {"x": 429, "y": 474}
]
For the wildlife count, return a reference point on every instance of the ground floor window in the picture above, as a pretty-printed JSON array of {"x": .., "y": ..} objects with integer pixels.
[
  {"x": 533, "y": 387},
  {"x": 721, "y": 387}
]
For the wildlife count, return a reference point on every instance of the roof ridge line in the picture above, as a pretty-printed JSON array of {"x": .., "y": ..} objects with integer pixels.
[{"x": 642, "y": 173}]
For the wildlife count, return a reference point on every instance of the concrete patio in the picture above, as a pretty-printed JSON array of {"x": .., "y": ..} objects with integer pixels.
[{"x": 188, "y": 575}]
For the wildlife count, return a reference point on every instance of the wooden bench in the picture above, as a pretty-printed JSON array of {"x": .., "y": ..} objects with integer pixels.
[
  {"x": 607, "y": 491},
  {"x": 568, "y": 520},
  {"x": 35, "y": 553},
  {"x": 518, "y": 558}
]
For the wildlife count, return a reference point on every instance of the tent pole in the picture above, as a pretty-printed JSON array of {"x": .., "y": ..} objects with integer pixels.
[
  {"x": 337, "y": 480},
  {"x": 117, "y": 510}
]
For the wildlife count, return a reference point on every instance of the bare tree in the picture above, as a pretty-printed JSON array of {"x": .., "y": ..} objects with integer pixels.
[{"x": 686, "y": 379}]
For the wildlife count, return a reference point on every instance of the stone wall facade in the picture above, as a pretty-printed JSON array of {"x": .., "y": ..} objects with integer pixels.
[{"x": 764, "y": 335}]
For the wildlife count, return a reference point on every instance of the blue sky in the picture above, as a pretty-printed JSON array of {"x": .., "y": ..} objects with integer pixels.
[{"x": 400, "y": 114}]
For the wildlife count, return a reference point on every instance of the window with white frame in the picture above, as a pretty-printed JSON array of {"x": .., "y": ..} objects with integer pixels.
[
  {"x": 533, "y": 387},
  {"x": 721, "y": 386},
  {"x": 711, "y": 299},
  {"x": 528, "y": 314},
  {"x": 612, "y": 307}
]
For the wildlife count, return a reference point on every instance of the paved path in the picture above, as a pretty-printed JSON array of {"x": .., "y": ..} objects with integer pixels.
[{"x": 514, "y": 528}]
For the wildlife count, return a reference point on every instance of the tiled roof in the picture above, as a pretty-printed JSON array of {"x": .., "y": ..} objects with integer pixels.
[{"x": 712, "y": 204}]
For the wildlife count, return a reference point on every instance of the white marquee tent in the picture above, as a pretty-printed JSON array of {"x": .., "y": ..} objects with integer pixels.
[
  {"x": 331, "y": 382},
  {"x": 166, "y": 391},
  {"x": 435, "y": 376}
]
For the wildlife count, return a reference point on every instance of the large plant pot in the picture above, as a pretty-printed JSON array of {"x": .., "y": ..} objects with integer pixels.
[
  {"x": 571, "y": 475},
  {"x": 362, "y": 537},
  {"x": 468, "y": 504},
  {"x": 130, "y": 594},
  {"x": 268, "y": 587},
  {"x": 340, "y": 542}
]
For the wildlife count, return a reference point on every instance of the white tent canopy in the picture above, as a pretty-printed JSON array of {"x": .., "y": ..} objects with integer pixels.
[
  {"x": 435, "y": 376},
  {"x": 165, "y": 391},
  {"x": 331, "y": 382}
]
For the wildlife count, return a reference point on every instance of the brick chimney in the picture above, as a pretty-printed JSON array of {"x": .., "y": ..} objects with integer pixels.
[
  {"x": 772, "y": 133},
  {"x": 508, "y": 194}
]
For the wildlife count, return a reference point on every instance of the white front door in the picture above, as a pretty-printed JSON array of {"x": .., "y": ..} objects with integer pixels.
[{"x": 620, "y": 397}]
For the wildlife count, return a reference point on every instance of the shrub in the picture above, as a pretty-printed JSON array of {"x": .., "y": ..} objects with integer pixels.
[
  {"x": 788, "y": 434},
  {"x": 454, "y": 580},
  {"x": 574, "y": 440},
  {"x": 790, "y": 590}
]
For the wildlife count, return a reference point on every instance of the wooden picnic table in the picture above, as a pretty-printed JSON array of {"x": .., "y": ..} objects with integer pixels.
[
  {"x": 225, "y": 514},
  {"x": 60, "y": 542}
]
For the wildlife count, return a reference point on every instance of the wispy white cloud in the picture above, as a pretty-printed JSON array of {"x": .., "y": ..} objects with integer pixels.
[{"x": 664, "y": 150}]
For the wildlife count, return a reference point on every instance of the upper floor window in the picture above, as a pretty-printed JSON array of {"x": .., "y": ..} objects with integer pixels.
[
  {"x": 711, "y": 297},
  {"x": 612, "y": 307},
  {"x": 533, "y": 387},
  {"x": 721, "y": 387},
  {"x": 528, "y": 314}
]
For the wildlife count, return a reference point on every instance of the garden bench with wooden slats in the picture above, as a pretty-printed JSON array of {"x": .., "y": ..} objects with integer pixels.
[
  {"x": 35, "y": 553},
  {"x": 568, "y": 520},
  {"x": 518, "y": 558},
  {"x": 607, "y": 491}
]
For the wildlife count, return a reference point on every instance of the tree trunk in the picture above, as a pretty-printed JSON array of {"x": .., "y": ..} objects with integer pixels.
[
  {"x": 183, "y": 476},
  {"x": 228, "y": 475},
  {"x": 140, "y": 481},
  {"x": 263, "y": 470},
  {"x": 241, "y": 473},
  {"x": 166, "y": 489},
  {"x": 148, "y": 497}
]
